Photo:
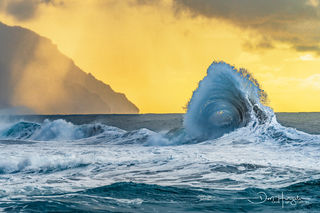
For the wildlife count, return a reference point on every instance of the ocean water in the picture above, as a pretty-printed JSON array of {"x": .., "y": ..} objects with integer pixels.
[{"x": 228, "y": 153}]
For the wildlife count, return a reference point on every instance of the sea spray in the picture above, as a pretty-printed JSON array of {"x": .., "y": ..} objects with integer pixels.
[
  {"x": 226, "y": 99},
  {"x": 93, "y": 167}
]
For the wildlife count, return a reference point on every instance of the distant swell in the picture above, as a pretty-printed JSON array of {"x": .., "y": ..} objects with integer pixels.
[
  {"x": 61, "y": 130},
  {"x": 52, "y": 130},
  {"x": 225, "y": 100}
]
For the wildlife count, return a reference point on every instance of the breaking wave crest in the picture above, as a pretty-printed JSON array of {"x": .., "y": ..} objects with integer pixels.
[
  {"x": 226, "y": 99},
  {"x": 232, "y": 153},
  {"x": 228, "y": 103}
]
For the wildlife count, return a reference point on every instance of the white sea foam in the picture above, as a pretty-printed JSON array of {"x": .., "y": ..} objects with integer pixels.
[{"x": 58, "y": 156}]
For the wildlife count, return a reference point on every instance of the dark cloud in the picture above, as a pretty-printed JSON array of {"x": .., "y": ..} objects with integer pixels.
[
  {"x": 315, "y": 48},
  {"x": 259, "y": 44},
  {"x": 24, "y": 9},
  {"x": 144, "y": 2},
  {"x": 296, "y": 22}
]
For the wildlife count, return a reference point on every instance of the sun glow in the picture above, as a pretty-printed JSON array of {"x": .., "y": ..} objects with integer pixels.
[{"x": 156, "y": 56}]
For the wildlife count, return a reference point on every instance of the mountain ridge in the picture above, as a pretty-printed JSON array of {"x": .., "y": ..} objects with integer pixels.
[{"x": 35, "y": 75}]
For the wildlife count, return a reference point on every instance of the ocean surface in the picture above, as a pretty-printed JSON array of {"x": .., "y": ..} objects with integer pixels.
[{"x": 228, "y": 153}]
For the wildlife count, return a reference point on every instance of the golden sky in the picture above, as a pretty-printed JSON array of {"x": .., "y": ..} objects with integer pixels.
[{"x": 156, "y": 51}]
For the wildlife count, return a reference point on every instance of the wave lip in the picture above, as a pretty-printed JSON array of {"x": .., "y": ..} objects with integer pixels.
[{"x": 226, "y": 99}]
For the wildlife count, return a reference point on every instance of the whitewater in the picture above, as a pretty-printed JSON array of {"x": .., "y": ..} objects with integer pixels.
[{"x": 229, "y": 155}]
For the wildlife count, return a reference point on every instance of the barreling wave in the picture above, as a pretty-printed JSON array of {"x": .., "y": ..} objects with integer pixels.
[{"x": 225, "y": 100}]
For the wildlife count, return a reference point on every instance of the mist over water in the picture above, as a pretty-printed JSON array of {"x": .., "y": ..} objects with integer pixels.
[{"x": 229, "y": 154}]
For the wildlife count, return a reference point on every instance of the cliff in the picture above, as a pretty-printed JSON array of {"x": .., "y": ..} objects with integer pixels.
[{"x": 34, "y": 75}]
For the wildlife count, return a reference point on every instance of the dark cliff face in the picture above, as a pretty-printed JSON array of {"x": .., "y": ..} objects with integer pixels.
[{"x": 36, "y": 76}]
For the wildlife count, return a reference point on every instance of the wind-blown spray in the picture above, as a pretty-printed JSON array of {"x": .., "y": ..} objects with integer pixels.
[{"x": 225, "y": 100}]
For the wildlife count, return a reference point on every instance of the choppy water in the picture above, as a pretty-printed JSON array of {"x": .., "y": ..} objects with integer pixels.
[{"x": 228, "y": 156}]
